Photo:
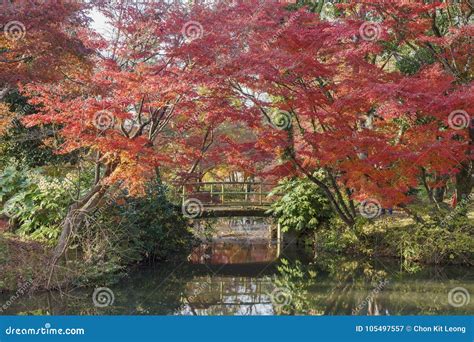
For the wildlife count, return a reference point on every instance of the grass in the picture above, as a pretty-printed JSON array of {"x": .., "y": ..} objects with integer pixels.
[
  {"x": 21, "y": 261},
  {"x": 25, "y": 261}
]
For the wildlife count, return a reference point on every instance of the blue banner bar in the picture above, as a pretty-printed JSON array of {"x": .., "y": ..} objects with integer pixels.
[{"x": 223, "y": 329}]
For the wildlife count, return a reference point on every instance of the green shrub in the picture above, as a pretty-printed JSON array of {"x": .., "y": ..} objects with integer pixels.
[
  {"x": 336, "y": 237},
  {"x": 130, "y": 230},
  {"x": 159, "y": 229},
  {"x": 11, "y": 181},
  {"x": 302, "y": 207},
  {"x": 433, "y": 244},
  {"x": 34, "y": 203}
]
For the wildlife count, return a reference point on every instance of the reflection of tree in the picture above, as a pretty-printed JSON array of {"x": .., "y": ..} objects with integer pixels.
[
  {"x": 355, "y": 281},
  {"x": 146, "y": 294},
  {"x": 344, "y": 284},
  {"x": 292, "y": 282},
  {"x": 340, "y": 286}
]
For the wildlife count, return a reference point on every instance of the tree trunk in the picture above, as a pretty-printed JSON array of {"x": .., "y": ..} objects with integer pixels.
[
  {"x": 337, "y": 206},
  {"x": 439, "y": 194},
  {"x": 464, "y": 180},
  {"x": 75, "y": 217},
  {"x": 348, "y": 219},
  {"x": 412, "y": 214}
]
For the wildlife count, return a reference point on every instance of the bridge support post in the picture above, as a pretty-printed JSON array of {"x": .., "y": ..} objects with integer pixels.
[
  {"x": 279, "y": 242},
  {"x": 278, "y": 232}
]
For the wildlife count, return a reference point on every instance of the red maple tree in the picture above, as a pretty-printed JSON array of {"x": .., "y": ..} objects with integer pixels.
[
  {"x": 328, "y": 95},
  {"x": 315, "y": 93}
]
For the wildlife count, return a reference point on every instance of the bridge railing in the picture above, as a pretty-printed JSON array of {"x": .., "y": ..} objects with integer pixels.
[{"x": 229, "y": 193}]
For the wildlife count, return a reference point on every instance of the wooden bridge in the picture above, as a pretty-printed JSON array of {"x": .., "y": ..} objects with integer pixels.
[{"x": 221, "y": 199}]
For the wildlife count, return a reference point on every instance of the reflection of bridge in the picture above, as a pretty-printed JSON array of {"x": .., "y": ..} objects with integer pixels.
[
  {"x": 228, "y": 296},
  {"x": 230, "y": 198}
]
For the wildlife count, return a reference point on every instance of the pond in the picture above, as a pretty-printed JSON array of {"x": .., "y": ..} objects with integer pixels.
[{"x": 243, "y": 271}]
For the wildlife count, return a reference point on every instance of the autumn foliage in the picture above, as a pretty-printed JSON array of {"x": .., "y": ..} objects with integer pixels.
[{"x": 377, "y": 95}]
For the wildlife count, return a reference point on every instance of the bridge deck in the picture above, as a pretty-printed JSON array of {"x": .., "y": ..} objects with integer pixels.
[
  {"x": 225, "y": 199},
  {"x": 229, "y": 211}
]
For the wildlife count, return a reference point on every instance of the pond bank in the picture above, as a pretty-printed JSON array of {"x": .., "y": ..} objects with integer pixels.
[
  {"x": 24, "y": 260},
  {"x": 225, "y": 278}
]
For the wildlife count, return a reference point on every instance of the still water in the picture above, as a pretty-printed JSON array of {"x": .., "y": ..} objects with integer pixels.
[{"x": 241, "y": 270}]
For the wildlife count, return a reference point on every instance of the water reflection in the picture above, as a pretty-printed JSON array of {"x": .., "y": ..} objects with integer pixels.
[
  {"x": 228, "y": 276},
  {"x": 227, "y": 296},
  {"x": 225, "y": 252},
  {"x": 248, "y": 228}
]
